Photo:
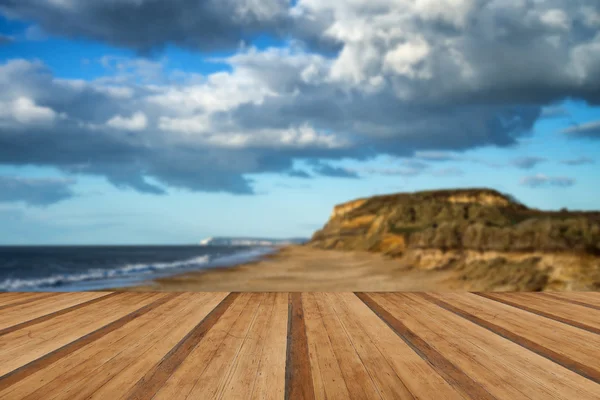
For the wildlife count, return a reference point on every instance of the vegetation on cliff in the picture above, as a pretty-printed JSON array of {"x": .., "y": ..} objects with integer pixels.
[{"x": 481, "y": 232}]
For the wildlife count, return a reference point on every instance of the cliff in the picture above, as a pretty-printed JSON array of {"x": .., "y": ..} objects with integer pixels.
[{"x": 483, "y": 234}]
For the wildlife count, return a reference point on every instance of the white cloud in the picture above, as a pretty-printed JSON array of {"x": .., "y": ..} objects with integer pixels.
[
  {"x": 25, "y": 111},
  {"x": 404, "y": 58},
  {"x": 589, "y": 129},
  {"x": 136, "y": 122},
  {"x": 455, "y": 12},
  {"x": 556, "y": 18}
]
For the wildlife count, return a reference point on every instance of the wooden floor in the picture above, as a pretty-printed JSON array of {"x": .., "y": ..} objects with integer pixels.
[{"x": 104, "y": 345}]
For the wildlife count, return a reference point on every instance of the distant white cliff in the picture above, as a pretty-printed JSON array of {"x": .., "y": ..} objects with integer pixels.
[{"x": 235, "y": 241}]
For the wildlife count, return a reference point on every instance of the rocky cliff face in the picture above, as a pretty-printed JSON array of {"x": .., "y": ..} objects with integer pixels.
[{"x": 483, "y": 234}]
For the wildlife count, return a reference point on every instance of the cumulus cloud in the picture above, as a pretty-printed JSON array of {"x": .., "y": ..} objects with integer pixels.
[
  {"x": 588, "y": 130},
  {"x": 527, "y": 162},
  {"x": 35, "y": 191},
  {"x": 578, "y": 161},
  {"x": 541, "y": 180},
  {"x": 403, "y": 78}
]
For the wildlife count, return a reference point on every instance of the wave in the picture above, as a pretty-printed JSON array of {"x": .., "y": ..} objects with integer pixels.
[{"x": 129, "y": 270}]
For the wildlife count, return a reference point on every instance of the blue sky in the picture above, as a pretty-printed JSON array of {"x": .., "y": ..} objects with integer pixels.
[{"x": 257, "y": 125}]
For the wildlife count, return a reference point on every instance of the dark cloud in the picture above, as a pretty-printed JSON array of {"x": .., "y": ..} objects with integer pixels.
[
  {"x": 541, "y": 180},
  {"x": 527, "y": 162},
  {"x": 589, "y": 130},
  {"x": 578, "y": 161},
  {"x": 146, "y": 25},
  {"x": 325, "y": 169},
  {"x": 35, "y": 191},
  {"x": 297, "y": 173}
]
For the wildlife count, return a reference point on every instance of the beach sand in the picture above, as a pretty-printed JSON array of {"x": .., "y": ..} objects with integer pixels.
[{"x": 298, "y": 268}]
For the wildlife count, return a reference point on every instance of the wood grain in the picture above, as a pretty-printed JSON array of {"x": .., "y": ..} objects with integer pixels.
[
  {"x": 574, "y": 315},
  {"x": 450, "y": 372},
  {"x": 153, "y": 380},
  {"x": 48, "y": 359},
  {"x": 298, "y": 379},
  {"x": 569, "y": 299},
  {"x": 79, "y": 303},
  {"x": 299, "y": 345},
  {"x": 564, "y": 355}
]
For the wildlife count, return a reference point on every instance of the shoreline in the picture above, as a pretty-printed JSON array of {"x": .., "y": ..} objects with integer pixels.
[{"x": 300, "y": 268}]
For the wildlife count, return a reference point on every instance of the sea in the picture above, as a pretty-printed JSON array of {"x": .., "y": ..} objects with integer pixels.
[{"x": 77, "y": 268}]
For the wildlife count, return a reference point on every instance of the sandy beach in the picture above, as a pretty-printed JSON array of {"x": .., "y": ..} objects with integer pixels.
[{"x": 297, "y": 268}]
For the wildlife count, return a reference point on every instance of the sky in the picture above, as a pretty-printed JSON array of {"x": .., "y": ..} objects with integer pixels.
[{"x": 167, "y": 121}]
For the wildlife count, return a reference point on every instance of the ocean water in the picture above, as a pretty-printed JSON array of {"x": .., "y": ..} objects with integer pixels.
[{"x": 73, "y": 268}]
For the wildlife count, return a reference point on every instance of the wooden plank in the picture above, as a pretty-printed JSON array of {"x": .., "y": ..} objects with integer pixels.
[
  {"x": 183, "y": 380},
  {"x": 538, "y": 334},
  {"x": 443, "y": 366},
  {"x": 398, "y": 372},
  {"x": 571, "y": 314},
  {"x": 298, "y": 380},
  {"x": 392, "y": 346},
  {"x": 49, "y": 359},
  {"x": 14, "y": 299},
  {"x": 358, "y": 379},
  {"x": 38, "y": 307},
  {"x": 271, "y": 379},
  {"x": 590, "y": 298},
  {"x": 52, "y": 328},
  {"x": 570, "y": 299},
  {"x": 120, "y": 373},
  {"x": 328, "y": 379},
  {"x": 70, "y": 372},
  {"x": 154, "y": 379},
  {"x": 242, "y": 375},
  {"x": 142, "y": 364},
  {"x": 505, "y": 369},
  {"x": 79, "y": 302},
  {"x": 23, "y": 346},
  {"x": 76, "y": 364},
  {"x": 213, "y": 379}
]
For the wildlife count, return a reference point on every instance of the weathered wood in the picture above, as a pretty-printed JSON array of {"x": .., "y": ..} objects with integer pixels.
[
  {"x": 299, "y": 345},
  {"x": 48, "y": 359},
  {"x": 79, "y": 303},
  {"x": 574, "y": 315},
  {"x": 298, "y": 379},
  {"x": 556, "y": 355},
  {"x": 153, "y": 380},
  {"x": 450, "y": 372}
]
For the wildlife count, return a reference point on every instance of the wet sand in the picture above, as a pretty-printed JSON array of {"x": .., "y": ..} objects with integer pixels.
[{"x": 297, "y": 268}]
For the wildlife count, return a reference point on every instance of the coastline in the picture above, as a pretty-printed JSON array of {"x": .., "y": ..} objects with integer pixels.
[{"x": 301, "y": 268}]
